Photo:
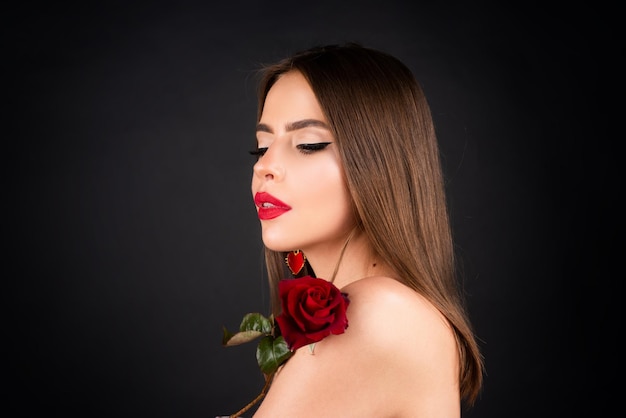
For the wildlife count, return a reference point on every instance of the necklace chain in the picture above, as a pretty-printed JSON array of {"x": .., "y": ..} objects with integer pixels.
[{"x": 343, "y": 250}]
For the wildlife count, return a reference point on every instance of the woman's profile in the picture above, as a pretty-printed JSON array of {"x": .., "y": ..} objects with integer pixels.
[{"x": 348, "y": 186}]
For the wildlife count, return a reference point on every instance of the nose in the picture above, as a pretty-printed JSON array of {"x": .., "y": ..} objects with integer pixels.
[{"x": 269, "y": 167}]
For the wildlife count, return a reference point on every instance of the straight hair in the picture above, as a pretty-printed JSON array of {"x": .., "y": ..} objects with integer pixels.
[{"x": 383, "y": 128}]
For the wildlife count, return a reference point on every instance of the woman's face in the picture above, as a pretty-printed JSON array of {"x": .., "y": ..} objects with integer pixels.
[{"x": 297, "y": 184}]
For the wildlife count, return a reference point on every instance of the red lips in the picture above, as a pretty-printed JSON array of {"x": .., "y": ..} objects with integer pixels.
[{"x": 269, "y": 206}]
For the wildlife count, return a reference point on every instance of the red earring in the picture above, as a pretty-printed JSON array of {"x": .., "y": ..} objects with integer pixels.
[{"x": 295, "y": 261}]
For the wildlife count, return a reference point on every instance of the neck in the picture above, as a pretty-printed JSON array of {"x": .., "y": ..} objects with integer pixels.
[
  {"x": 345, "y": 261},
  {"x": 341, "y": 254}
]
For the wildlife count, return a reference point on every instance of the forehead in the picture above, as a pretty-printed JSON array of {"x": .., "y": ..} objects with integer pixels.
[{"x": 291, "y": 98}]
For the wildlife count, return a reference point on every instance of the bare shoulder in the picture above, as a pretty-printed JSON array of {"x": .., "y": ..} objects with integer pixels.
[
  {"x": 397, "y": 358},
  {"x": 396, "y": 313},
  {"x": 379, "y": 297},
  {"x": 408, "y": 334}
]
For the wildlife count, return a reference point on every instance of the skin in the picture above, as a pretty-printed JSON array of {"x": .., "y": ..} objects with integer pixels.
[
  {"x": 398, "y": 357},
  {"x": 311, "y": 183}
]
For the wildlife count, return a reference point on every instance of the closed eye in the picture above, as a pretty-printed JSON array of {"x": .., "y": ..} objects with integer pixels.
[
  {"x": 311, "y": 148},
  {"x": 259, "y": 152}
]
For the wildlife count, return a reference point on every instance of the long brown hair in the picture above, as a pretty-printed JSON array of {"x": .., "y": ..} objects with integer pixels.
[{"x": 385, "y": 135}]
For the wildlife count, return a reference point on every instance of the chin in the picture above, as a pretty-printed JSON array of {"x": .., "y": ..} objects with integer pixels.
[
  {"x": 276, "y": 244},
  {"x": 274, "y": 240},
  {"x": 279, "y": 248}
]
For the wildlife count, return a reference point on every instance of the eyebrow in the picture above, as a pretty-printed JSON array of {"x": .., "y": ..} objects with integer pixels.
[{"x": 293, "y": 126}]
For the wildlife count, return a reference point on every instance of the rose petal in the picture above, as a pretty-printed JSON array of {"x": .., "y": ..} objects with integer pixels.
[{"x": 312, "y": 309}]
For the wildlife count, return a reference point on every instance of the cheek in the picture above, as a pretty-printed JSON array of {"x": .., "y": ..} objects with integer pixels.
[
  {"x": 325, "y": 195},
  {"x": 254, "y": 184}
]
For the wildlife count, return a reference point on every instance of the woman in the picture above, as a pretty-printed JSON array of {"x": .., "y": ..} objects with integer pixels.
[{"x": 348, "y": 173}]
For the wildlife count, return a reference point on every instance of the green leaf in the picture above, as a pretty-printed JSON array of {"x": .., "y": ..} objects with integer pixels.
[
  {"x": 271, "y": 353},
  {"x": 229, "y": 339},
  {"x": 226, "y": 336},
  {"x": 256, "y": 322}
]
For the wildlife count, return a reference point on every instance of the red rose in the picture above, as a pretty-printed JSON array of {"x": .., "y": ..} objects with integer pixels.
[{"x": 312, "y": 309}]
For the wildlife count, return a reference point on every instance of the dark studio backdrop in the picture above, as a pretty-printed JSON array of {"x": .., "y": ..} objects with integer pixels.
[{"x": 131, "y": 234}]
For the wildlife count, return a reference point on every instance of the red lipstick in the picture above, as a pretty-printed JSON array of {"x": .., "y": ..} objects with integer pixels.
[{"x": 269, "y": 206}]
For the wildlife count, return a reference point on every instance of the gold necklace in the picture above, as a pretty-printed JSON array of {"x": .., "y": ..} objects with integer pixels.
[{"x": 343, "y": 250}]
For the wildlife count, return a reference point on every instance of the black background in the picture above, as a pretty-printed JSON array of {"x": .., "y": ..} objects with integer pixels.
[{"x": 131, "y": 237}]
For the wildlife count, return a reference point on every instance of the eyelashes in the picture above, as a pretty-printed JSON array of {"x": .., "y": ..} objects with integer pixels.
[
  {"x": 303, "y": 148},
  {"x": 311, "y": 148},
  {"x": 259, "y": 152}
]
